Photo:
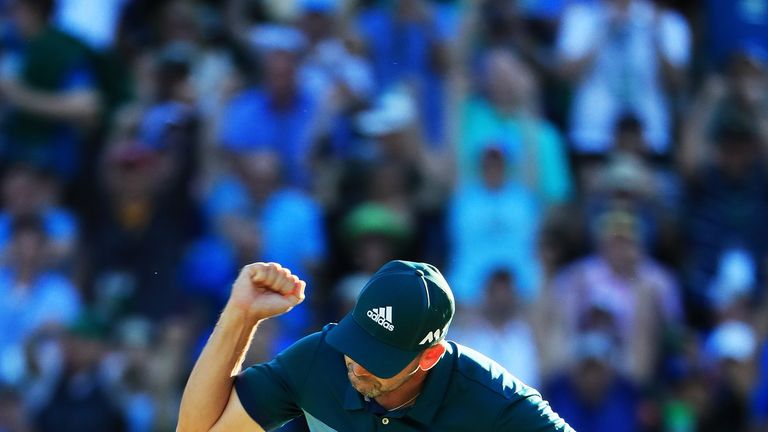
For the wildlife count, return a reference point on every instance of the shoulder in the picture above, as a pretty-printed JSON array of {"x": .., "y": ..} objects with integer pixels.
[
  {"x": 507, "y": 400},
  {"x": 56, "y": 284},
  {"x": 476, "y": 370},
  {"x": 294, "y": 198},
  {"x": 248, "y": 98}
]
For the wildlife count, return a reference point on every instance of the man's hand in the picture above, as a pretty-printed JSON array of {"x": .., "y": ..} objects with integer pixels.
[{"x": 264, "y": 290}]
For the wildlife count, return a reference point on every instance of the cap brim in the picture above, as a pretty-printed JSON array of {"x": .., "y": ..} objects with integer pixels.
[{"x": 379, "y": 358}]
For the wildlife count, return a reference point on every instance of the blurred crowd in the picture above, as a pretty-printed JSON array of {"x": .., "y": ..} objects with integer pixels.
[{"x": 590, "y": 175}]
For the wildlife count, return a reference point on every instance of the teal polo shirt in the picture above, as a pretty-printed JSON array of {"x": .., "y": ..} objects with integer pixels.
[{"x": 464, "y": 391}]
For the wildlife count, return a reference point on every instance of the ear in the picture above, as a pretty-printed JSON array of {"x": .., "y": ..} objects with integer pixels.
[{"x": 431, "y": 356}]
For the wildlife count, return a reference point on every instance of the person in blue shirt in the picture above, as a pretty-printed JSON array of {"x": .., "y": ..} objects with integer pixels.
[
  {"x": 385, "y": 366},
  {"x": 278, "y": 115},
  {"x": 52, "y": 90},
  {"x": 33, "y": 298}
]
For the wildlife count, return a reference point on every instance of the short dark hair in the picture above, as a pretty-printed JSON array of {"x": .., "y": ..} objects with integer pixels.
[
  {"x": 628, "y": 122},
  {"x": 734, "y": 129},
  {"x": 43, "y": 7},
  {"x": 26, "y": 223}
]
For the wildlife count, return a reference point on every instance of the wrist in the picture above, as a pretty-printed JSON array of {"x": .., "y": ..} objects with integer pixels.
[{"x": 241, "y": 313}]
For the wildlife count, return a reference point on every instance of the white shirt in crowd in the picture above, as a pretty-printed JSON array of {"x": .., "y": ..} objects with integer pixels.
[{"x": 625, "y": 75}]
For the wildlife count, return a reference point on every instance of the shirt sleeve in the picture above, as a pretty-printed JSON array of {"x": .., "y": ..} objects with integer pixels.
[
  {"x": 271, "y": 392},
  {"x": 675, "y": 39},
  {"x": 531, "y": 414},
  {"x": 578, "y": 32},
  {"x": 242, "y": 123}
]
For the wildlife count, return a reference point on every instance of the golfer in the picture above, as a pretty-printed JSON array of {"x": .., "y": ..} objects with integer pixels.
[{"x": 386, "y": 366}]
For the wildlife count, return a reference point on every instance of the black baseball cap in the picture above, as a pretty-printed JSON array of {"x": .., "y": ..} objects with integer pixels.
[{"x": 404, "y": 308}]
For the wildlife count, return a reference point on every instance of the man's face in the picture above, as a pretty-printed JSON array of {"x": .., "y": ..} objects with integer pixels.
[{"x": 372, "y": 386}]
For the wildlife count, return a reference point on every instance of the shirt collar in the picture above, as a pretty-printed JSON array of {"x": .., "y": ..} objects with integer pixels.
[
  {"x": 435, "y": 388},
  {"x": 428, "y": 402}
]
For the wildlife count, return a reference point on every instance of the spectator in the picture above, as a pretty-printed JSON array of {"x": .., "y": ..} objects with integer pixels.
[
  {"x": 617, "y": 53},
  {"x": 80, "y": 398},
  {"x": 255, "y": 216},
  {"x": 732, "y": 26},
  {"x": 33, "y": 299},
  {"x": 137, "y": 234},
  {"x": 30, "y": 191},
  {"x": 372, "y": 235},
  {"x": 594, "y": 395},
  {"x": 492, "y": 224},
  {"x": 632, "y": 170},
  {"x": 621, "y": 279},
  {"x": 504, "y": 115},
  {"x": 277, "y": 116},
  {"x": 193, "y": 53},
  {"x": 630, "y": 183},
  {"x": 500, "y": 327},
  {"x": 330, "y": 68},
  {"x": 170, "y": 123},
  {"x": 130, "y": 363},
  {"x": 52, "y": 91},
  {"x": 264, "y": 218},
  {"x": 398, "y": 171},
  {"x": 558, "y": 244},
  {"x": 408, "y": 45},
  {"x": 741, "y": 97},
  {"x": 730, "y": 350},
  {"x": 12, "y": 413},
  {"x": 725, "y": 206}
]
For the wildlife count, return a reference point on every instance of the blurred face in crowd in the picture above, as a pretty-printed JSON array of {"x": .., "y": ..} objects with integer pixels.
[
  {"x": 739, "y": 374},
  {"x": 629, "y": 137},
  {"x": 317, "y": 25},
  {"x": 373, "y": 251},
  {"x": 593, "y": 377},
  {"x": 748, "y": 80},
  {"x": 12, "y": 411},
  {"x": 179, "y": 22},
  {"x": 493, "y": 168},
  {"x": 736, "y": 155},
  {"x": 500, "y": 299},
  {"x": 280, "y": 75},
  {"x": 509, "y": 82},
  {"x": 22, "y": 191},
  {"x": 619, "y": 4},
  {"x": 259, "y": 171},
  {"x": 82, "y": 353},
  {"x": 28, "y": 248},
  {"x": 499, "y": 19},
  {"x": 620, "y": 246},
  {"x": 388, "y": 180},
  {"x": 135, "y": 174},
  {"x": 28, "y": 19}
]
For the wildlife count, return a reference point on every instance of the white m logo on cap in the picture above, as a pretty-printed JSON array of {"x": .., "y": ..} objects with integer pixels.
[{"x": 431, "y": 337}]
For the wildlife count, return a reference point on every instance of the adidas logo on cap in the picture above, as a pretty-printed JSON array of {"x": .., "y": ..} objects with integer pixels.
[{"x": 382, "y": 316}]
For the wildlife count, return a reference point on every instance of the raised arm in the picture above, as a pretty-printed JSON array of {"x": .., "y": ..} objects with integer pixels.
[
  {"x": 209, "y": 402},
  {"x": 79, "y": 106}
]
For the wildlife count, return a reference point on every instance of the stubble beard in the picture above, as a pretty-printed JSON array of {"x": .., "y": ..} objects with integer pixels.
[{"x": 368, "y": 388}]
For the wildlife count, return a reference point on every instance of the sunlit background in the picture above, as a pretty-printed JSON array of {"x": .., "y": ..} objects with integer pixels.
[{"x": 590, "y": 175}]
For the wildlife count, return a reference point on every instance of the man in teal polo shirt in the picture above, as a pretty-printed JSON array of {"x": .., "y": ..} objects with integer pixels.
[{"x": 386, "y": 366}]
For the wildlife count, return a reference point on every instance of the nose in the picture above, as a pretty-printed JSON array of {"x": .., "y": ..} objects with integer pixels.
[{"x": 358, "y": 370}]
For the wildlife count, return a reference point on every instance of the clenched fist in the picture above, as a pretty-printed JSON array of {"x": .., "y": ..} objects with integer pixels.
[{"x": 264, "y": 290}]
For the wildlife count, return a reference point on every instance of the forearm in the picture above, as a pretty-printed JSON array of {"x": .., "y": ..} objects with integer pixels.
[
  {"x": 80, "y": 106},
  {"x": 573, "y": 69},
  {"x": 210, "y": 383}
]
